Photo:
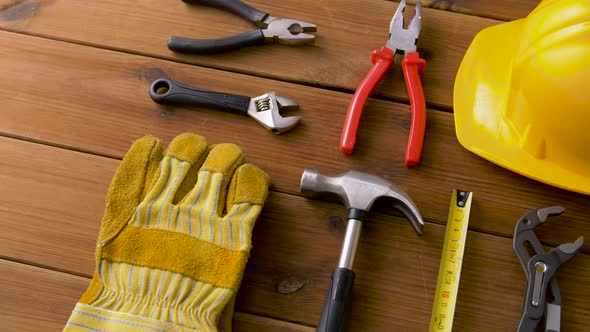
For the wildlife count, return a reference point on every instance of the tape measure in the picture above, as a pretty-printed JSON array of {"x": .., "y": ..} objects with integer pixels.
[{"x": 447, "y": 287}]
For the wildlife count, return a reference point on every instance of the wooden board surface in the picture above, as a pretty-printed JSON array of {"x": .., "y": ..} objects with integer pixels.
[
  {"x": 396, "y": 269},
  {"x": 344, "y": 43},
  {"x": 74, "y": 89},
  {"x": 97, "y": 100},
  {"x": 498, "y": 9}
]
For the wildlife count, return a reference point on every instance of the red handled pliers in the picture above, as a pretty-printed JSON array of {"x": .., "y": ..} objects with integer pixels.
[{"x": 401, "y": 41}]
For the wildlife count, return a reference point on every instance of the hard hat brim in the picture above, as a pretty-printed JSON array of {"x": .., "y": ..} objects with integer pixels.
[{"x": 481, "y": 92}]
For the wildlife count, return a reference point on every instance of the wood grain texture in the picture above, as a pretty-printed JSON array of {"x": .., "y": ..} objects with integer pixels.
[
  {"x": 41, "y": 300},
  {"x": 296, "y": 240},
  {"x": 94, "y": 100},
  {"x": 97, "y": 100},
  {"x": 248, "y": 323},
  {"x": 348, "y": 31},
  {"x": 36, "y": 299},
  {"x": 497, "y": 9}
]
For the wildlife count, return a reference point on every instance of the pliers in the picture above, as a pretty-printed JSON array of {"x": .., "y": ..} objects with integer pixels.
[
  {"x": 401, "y": 41},
  {"x": 540, "y": 268},
  {"x": 271, "y": 29}
]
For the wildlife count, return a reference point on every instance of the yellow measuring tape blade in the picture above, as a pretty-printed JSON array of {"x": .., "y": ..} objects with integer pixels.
[{"x": 447, "y": 287}]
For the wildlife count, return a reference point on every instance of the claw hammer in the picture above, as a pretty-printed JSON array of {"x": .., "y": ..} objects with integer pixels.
[{"x": 357, "y": 191}]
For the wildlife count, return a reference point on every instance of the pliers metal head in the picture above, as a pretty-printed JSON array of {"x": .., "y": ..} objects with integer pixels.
[
  {"x": 287, "y": 31},
  {"x": 540, "y": 268},
  {"x": 402, "y": 40}
]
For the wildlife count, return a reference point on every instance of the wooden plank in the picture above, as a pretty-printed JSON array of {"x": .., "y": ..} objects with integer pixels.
[
  {"x": 348, "y": 31},
  {"x": 296, "y": 242},
  {"x": 35, "y": 299},
  {"x": 96, "y": 100},
  {"x": 247, "y": 323},
  {"x": 41, "y": 300},
  {"x": 498, "y": 9}
]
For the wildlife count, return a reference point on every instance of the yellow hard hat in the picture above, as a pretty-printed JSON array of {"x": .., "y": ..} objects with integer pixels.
[{"x": 522, "y": 95}]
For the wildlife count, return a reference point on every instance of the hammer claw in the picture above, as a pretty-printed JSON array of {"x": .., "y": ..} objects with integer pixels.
[{"x": 412, "y": 213}]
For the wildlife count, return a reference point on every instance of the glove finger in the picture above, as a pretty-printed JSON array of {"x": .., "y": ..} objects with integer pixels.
[
  {"x": 246, "y": 195},
  {"x": 207, "y": 199},
  {"x": 130, "y": 183},
  {"x": 221, "y": 163},
  {"x": 184, "y": 151},
  {"x": 193, "y": 149},
  {"x": 249, "y": 185}
]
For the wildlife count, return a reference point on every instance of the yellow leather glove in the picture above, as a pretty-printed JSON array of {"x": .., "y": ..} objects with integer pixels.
[{"x": 174, "y": 239}]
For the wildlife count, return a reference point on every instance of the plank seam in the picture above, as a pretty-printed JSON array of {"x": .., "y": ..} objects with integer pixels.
[
  {"x": 43, "y": 266},
  {"x": 404, "y": 101}
]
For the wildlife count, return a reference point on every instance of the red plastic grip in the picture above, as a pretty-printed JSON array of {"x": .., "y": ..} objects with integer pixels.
[
  {"x": 413, "y": 66},
  {"x": 382, "y": 61}
]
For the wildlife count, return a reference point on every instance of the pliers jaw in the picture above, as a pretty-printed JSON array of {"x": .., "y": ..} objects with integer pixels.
[
  {"x": 287, "y": 31},
  {"x": 524, "y": 237},
  {"x": 402, "y": 40},
  {"x": 567, "y": 251},
  {"x": 534, "y": 218}
]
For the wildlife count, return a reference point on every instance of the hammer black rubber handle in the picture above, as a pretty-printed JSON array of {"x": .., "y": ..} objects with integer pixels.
[
  {"x": 169, "y": 92},
  {"x": 235, "y": 6},
  {"x": 335, "y": 310}
]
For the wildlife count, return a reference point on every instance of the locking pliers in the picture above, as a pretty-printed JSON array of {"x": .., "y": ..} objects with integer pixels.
[
  {"x": 540, "y": 268},
  {"x": 271, "y": 29}
]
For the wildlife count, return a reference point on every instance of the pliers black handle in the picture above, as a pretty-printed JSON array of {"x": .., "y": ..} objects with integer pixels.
[{"x": 285, "y": 31}]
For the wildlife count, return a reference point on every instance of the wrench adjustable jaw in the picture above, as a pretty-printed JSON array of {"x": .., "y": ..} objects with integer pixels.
[
  {"x": 266, "y": 109},
  {"x": 540, "y": 268},
  {"x": 288, "y": 31}
]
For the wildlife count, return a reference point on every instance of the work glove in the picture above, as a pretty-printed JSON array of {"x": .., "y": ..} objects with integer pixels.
[{"x": 174, "y": 239}]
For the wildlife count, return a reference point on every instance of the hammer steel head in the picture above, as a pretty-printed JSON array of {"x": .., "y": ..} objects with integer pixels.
[{"x": 359, "y": 190}]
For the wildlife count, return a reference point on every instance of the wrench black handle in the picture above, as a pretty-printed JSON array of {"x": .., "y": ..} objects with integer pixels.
[
  {"x": 335, "y": 310},
  {"x": 235, "y": 6},
  {"x": 210, "y": 46},
  {"x": 169, "y": 92}
]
